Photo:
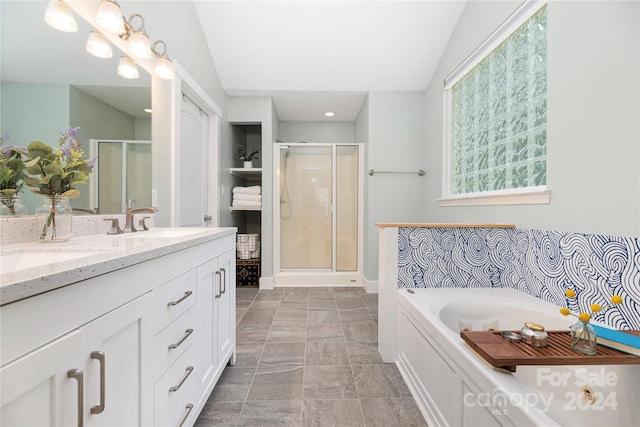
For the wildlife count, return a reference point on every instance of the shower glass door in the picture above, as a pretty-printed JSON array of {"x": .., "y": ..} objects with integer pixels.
[
  {"x": 318, "y": 191},
  {"x": 305, "y": 207},
  {"x": 124, "y": 175}
]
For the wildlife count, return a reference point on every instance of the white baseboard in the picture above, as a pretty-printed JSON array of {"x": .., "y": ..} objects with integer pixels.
[
  {"x": 371, "y": 286},
  {"x": 267, "y": 283}
]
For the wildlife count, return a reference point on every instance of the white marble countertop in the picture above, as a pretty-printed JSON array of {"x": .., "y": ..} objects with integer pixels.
[{"x": 101, "y": 254}]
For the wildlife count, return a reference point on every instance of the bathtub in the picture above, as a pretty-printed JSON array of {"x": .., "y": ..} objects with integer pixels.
[{"x": 453, "y": 386}]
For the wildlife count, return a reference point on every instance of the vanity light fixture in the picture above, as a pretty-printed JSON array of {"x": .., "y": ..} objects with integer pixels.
[
  {"x": 127, "y": 68},
  {"x": 110, "y": 17},
  {"x": 139, "y": 45},
  {"x": 164, "y": 67},
  {"x": 329, "y": 114},
  {"x": 59, "y": 16},
  {"x": 98, "y": 45}
]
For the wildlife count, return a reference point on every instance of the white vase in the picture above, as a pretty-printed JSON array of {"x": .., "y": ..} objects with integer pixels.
[{"x": 248, "y": 165}]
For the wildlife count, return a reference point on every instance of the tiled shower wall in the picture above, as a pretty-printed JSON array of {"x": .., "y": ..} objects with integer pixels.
[{"x": 541, "y": 263}]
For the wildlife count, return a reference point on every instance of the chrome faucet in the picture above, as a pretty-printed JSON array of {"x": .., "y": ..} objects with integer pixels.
[{"x": 128, "y": 224}]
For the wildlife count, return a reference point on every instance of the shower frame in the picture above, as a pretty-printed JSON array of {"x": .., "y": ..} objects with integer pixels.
[{"x": 320, "y": 277}]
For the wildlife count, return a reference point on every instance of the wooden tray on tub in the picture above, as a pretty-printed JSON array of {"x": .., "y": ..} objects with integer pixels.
[{"x": 502, "y": 354}]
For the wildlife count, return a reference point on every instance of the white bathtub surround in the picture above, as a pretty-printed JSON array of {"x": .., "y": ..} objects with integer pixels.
[
  {"x": 389, "y": 264},
  {"x": 541, "y": 263},
  {"x": 454, "y": 386}
]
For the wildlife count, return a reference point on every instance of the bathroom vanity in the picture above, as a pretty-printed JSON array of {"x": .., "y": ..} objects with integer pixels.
[{"x": 132, "y": 329}]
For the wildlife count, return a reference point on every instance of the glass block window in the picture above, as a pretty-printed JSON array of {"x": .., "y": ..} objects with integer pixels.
[{"x": 498, "y": 115}]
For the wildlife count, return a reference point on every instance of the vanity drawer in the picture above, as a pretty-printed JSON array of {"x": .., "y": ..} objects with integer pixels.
[
  {"x": 173, "y": 341},
  {"x": 177, "y": 385},
  {"x": 183, "y": 412},
  {"x": 173, "y": 298}
]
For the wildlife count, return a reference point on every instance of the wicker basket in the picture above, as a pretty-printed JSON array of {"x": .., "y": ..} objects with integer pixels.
[{"x": 248, "y": 246}]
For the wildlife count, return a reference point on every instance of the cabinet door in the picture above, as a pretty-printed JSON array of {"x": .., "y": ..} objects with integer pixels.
[
  {"x": 209, "y": 279},
  {"x": 118, "y": 385},
  {"x": 225, "y": 312},
  {"x": 36, "y": 389}
]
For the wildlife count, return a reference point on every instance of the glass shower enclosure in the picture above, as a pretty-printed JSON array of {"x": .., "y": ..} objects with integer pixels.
[{"x": 318, "y": 214}]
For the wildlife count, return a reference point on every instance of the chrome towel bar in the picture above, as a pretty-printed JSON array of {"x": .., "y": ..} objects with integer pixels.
[{"x": 421, "y": 172}]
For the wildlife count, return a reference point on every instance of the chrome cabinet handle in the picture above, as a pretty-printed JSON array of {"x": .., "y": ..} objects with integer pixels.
[
  {"x": 186, "y": 295},
  {"x": 176, "y": 345},
  {"x": 177, "y": 387},
  {"x": 99, "y": 356},
  {"x": 224, "y": 280},
  {"x": 220, "y": 281},
  {"x": 77, "y": 375},
  {"x": 188, "y": 409}
]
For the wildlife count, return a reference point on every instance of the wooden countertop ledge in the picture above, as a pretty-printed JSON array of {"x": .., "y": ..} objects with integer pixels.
[{"x": 441, "y": 225}]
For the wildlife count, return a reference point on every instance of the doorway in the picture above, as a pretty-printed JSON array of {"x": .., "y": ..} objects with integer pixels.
[{"x": 318, "y": 221}]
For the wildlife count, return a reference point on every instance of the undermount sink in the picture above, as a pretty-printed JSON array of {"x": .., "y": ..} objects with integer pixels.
[{"x": 22, "y": 259}]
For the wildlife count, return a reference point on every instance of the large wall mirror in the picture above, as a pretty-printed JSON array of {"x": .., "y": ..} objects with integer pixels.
[{"x": 50, "y": 83}]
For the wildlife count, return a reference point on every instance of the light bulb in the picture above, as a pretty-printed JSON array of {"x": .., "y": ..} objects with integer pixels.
[
  {"x": 164, "y": 68},
  {"x": 98, "y": 45},
  {"x": 109, "y": 17},
  {"x": 139, "y": 45},
  {"x": 59, "y": 16},
  {"x": 127, "y": 68}
]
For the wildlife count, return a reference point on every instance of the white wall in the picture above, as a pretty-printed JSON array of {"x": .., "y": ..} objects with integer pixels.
[
  {"x": 395, "y": 142},
  {"x": 260, "y": 110},
  {"x": 318, "y": 132},
  {"x": 593, "y": 118}
]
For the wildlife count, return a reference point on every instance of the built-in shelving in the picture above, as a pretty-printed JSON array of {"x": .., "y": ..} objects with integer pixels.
[
  {"x": 232, "y": 209},
  {"x": 247, "y": 173},
  {"x": 251, "y": 175}
]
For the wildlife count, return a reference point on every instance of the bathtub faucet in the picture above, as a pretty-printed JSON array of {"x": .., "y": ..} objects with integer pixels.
[{"x": 128, "y": 225}]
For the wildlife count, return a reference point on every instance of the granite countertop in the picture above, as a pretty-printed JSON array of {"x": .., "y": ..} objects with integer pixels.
[{"x": 84, "y": 257}]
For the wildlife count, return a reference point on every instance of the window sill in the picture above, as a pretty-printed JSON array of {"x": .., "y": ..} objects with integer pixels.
[{"x": 542, "y": 197}]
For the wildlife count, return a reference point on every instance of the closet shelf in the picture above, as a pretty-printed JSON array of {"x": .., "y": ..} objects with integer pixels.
[
  {"x": 244, "y": 209},
  {"x": 246, "y": 172}
]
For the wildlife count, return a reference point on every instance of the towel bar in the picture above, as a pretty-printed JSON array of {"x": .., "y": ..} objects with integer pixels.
[{"x": 421, "y": 172}]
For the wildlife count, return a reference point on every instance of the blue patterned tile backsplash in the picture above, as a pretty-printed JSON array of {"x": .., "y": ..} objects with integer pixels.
[{"x": 541, "y": 263}]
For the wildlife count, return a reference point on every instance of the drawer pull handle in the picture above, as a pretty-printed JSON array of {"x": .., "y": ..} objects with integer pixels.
[
  {"x": 176, "y": 345},
  {"x": 79, "y": 377},
  {"x": 186, "y": 295},
  {"x": 188, "y": 409},
  {"x": 99, "y": 355},
  {"x": 224, "y": 280},
  {"x": 177, "y": 387},
  {"x": 219, "y": 281}
]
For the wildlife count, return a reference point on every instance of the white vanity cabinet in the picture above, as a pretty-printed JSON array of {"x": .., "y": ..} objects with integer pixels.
[
  {"x": 35, "y": 388},
  {"x": 122, "y": 348},
  {"x": 216, "y": 297},
  {"x": 93, "y": 375}
]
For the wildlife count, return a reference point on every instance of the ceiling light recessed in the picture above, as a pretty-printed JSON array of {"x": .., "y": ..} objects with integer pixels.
[{"x": 329, "y": 114}]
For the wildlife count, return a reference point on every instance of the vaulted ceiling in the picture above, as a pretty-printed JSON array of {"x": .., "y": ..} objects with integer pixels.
[{"x": 317, "y": 56}]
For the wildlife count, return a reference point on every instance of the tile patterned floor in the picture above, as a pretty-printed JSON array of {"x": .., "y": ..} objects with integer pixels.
[{"x": 309, "y": 357}]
